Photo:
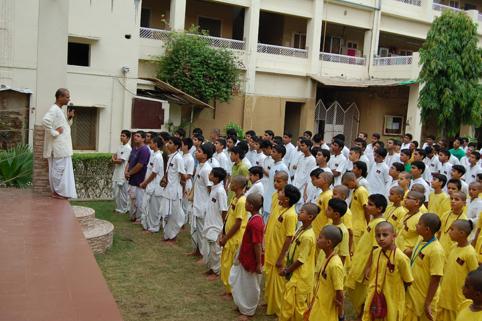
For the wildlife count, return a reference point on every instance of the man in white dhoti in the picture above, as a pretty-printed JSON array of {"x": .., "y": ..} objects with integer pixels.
[
  {"x": 245, "y": 274},
  {"x": 119, "y": 182},
  {"x": 58, "y": 146}
]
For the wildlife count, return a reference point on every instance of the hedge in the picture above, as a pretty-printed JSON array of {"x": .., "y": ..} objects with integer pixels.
[{"x": 93, "y": 175}]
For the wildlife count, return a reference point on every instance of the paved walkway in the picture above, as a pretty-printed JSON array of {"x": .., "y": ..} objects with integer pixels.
[{"x": 47, "y": 271}]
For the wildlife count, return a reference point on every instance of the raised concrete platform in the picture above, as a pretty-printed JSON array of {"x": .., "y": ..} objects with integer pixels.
[
  {"x": 98, "y": 233},
  {"x": 47, "y": 269}
]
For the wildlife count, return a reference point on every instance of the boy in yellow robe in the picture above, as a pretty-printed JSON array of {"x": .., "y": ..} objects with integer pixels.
[
  {"x": 336, "y": 211},
  {"x": 233, "y": 230},
  {"x": 278, "y": 236},
  {"x": 342, "y": 192},
  {"x": 461, "y": 260},
  {"x": 390, "y": 274},
  {"x": 395, "y": 211},
  {"x": 323, "y": 181},
  {"x": 457, "y": 204},
  {"x": 359, "y": 201},
  {"x": 356, "y": 281},
  {"x": 407, "y": 235},
  {"x": 300, "y": 267},
  {"x": 438, "y": 201},
  {"x": 326, "y": 303},
  {"x": 472, "y": 309},
  {"x": 427, "y": 262}
]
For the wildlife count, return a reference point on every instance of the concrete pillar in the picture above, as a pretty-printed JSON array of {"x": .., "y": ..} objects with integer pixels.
[
  {"x": 313, "y": 36},
  {"x": 177, "y": 14},
  {"x": 251, "y": 30},
  {"x": 375, "y": 34},
  {"x": 52, "y": 46},
  {"x": 427, "y": 9},
  {"x": 40, "y": 176},
  {"x": 413, "y": 123}
]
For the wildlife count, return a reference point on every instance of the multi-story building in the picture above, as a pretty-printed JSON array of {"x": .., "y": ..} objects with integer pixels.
[{"x": 331, "y": 66}]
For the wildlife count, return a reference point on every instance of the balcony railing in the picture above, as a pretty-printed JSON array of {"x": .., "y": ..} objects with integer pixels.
[
  {"x": 442, "y": 7},
  {"x": 283, "y": 51},
  {"x": 342, "y": 59},
  {"x": 392, "y": 61},
  {"x": 417, "y": 3},
  {"x": 217, "y": 42}
]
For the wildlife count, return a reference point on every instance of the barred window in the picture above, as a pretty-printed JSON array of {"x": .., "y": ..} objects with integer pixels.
[{"x": 84, "y": 128}]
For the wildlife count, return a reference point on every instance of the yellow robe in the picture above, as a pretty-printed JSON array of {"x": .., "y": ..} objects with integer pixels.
[
  {"x": 478, "y": 244},
  {"x": 393, "y": 280},
  {"x": 394, "y": 214},
  {"x": 300, "y": 285},
  {"x": 281, "y": 224},
  {"x": 460, "y": 261},
  {"x": 439, "y": 203},
  {"x": 466, "y": 314},
  {"x": 326, "y": 285},
  {"x": 426, "y": 262},
  {"x": 321, "y": 219},
  {"x": 355, "y": 280},
  {"x": 358, "y": 202},
  {"x": 407, "y": 236},
  {"x": 447, "y": 219},
  {"x": 236, "y": 211},
  {"x": 342, "y": 249}
]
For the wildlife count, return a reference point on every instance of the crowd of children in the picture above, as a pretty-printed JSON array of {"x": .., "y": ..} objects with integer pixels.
[{"x": 392, "y": 228}]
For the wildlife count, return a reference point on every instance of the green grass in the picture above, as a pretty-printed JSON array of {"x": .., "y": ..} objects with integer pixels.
[{"x": 154, "y": 281}]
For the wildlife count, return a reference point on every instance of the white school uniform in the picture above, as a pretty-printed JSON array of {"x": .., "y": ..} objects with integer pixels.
[
  {"x": 213, "y": 162},
  {"x": 223, "y": 161},
  {"x": 391, "y": 183},
  {"x": 171, "y": 209},
  {"x": 337, "y": 163},
  {"x": 247, "y": 162},
  {"x": 151, "y": 218},
  {"x": 362, "y": 181},
  {"x": 446, "y": 169},
  {"x": 345, "y": 151},
  {"x": 189, "y": 169},
  {"x": 378, "y": 178},
  {"x": 119, "y": 182},
  {"x": 454, "y": 160},
  {"x": 260, "y": 159},
  {"x": 405, "y": 146},
  {"x": 390, "y": 159},
  {"x": 431, "y": 166},
  {"x": 471, "y": 174},
  {"x": 213, "y": 225},
  {"x": 290, "y": 149},
  {"x": 421, "y": 181},
  {"x": 268, "y": 192},
  {"x": 200, "y": 206},
  {"x": 251, "y": 156},
  {"x": 295, "y": 158},
  {"x": 302, "y": 172},
  {"x": 474, "y": 209},
  {"x": 267, "y": 164},
  {"x": 256, "y": 188}
]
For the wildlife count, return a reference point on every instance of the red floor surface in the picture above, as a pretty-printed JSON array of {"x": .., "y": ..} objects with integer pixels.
[{"x": 47, "y": 271}]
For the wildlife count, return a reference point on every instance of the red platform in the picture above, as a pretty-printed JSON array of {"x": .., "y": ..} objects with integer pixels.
[{"x": 47, "y": 270}]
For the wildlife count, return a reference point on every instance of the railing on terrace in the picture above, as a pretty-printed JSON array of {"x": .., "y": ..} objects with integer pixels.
[
  {"x": 218, "y": 42},
  {"x": 417, "y": 3},
  {"x": 342, "y": 59},
  {"x": 442, "y": 7},
  {"x": 283, "y": 51},
  {"x": 392, "y": 61}
]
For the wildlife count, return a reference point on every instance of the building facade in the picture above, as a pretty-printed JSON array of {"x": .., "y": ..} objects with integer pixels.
[{"x": 330, "y": 66}]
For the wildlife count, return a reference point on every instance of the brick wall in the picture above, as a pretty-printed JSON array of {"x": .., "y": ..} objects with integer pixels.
[{"x": 40, "y": 165}]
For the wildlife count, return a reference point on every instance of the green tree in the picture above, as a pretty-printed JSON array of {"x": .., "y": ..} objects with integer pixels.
[
  {"x": 190, "y": 64},
  {"x": 451, "y": 61}
]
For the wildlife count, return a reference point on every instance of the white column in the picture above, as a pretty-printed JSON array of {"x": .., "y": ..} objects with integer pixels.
[
  {"x": 251, "y": 29},
  {"x": 413, "y": 124},
  {"x": 177, "y": 14},
  {"x": 427, "y": 9},
  {"x": 313, "y": 36},
  {"x": 53, "y": 22},
  {"x": 375, "y": 34}
]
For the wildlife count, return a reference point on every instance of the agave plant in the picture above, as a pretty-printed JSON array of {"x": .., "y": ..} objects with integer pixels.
[{"x": 16, "y": 166}]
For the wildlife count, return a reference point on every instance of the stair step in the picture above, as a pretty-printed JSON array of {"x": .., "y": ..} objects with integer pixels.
[
  {"x": 85, "y": 216},
  {"x": 99, "y": 235}
]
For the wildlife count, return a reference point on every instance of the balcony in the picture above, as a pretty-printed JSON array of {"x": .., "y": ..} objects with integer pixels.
[
  {"x": 395, "y": 67},
  {"x": 441, "y": 8},
  {"x": 392, "y": 61},
  {"x": 283, "y": 51},
  {"x": 342, "y": 59},
  {"x": 417, "y": 3}
]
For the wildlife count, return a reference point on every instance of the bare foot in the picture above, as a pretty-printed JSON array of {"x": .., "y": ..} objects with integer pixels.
[
  {"x": 243, "y": 317},
  {"x": 209, "y": 272},
  {"x": 193, "y": 253},
  {"x": 200, "y": 262},
  {"x": 57, "y": 196},
  {"x": 227, "y": 296},
  {"x": 213, "y": 277},
  {"x": 136, "y": 222}
]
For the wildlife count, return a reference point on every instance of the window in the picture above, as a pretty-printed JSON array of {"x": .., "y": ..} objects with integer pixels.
[
  {"x": 454, "y": 4},
  {"x": 404, "y": 52},
  {"x": 383, "y": 52},
  {"x": 351, "y": 45},
  {"x": 469, "y": 6},
  {"x": 147, "y": 113},
  {"x": 84, "y": 128},
  {"x": 332, "y": 45},
  {"x": 299, "y": 40},
  {"x": 145, "y": 18},
  {"x": 212, "y": 26},
  {"x": 78, "y": 54}
]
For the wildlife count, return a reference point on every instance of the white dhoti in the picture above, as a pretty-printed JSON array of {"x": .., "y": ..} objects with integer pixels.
[
  {"x": 172, "y": 217},
  {"x": 153, "y": 215},
  {"x": 121, "y": 196},
  {"x": 136, "y": 195},
  {"x": 145, "y": 209},
  {"x": 198, "y": 239},
  {"x": 187, "y": 208},
  {"x": 214, "y": 256},
  {"x": 246, "y": 289},
  {"x": 61, "y": 177}
]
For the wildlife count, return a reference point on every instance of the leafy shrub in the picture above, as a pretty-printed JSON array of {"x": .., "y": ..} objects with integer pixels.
[
  {"x": 16, "y": 166},
  {"x": 93, "y": 175},
  {"x": 239, "y": 130}
]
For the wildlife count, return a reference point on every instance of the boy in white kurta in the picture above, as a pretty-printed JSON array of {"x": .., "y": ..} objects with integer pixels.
[
  {"x": 171, "y": 209},
  {"x": 378, "y": 177},
  {"x": 217, "y": 208},
  {"x": 189, "y": 169},
  {"x": 119, "y": 182}
]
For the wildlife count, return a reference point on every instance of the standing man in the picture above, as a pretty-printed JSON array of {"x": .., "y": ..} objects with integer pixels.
[{"x": 58, "y": 147}]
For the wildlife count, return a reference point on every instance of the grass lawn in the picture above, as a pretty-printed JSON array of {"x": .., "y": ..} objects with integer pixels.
[{"x": 154, "y": 281}]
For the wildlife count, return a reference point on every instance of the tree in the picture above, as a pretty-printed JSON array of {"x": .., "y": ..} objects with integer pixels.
[
  {"x": 190, "y": 64},
  {"x": 451, "y": 92}
]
